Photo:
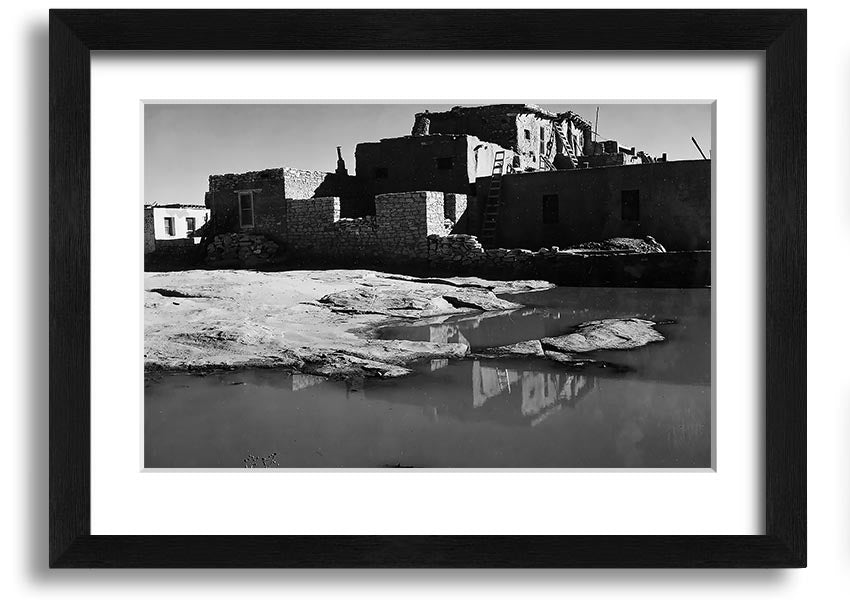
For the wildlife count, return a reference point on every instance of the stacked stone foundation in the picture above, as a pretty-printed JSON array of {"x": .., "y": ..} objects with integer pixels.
[{"x": 245, "y": 249}]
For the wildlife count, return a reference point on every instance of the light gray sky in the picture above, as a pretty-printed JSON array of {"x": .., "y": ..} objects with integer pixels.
[{"x": 185, "y": 143}]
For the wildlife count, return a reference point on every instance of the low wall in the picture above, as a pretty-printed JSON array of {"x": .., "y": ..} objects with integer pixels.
[
  {"x": 463, "y": 254},
  {"x": 244, "y": 249},
  {"x": 397, "y": 233}
]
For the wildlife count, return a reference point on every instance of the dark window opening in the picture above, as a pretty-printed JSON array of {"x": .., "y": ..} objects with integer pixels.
[
  {"x": 550, "y": 209},
  {"x": 527, "y": 133},
  {"x": 445, "y": 162},
  {"x": 630, "y": 200},
  {"x": 382, "y": 172},
  {"x": 473, "y": 188},
  {"x": 169, "y": 225},
  {"x": 190, "y": 226},
  {"x": 246, "y": 209}
]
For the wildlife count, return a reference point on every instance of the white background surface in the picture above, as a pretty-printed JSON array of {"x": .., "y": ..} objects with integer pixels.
[
  {"x": 728, "y": 501},
  {"x": 24, "y": 353}
]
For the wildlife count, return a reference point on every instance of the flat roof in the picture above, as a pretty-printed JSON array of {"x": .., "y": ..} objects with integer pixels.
[
  {"x": 506, "y": 108},
  {"x": 175, "y": 206}
]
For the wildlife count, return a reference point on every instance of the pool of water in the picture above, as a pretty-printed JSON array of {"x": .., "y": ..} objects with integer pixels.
[{"x": 653, "y": 411}]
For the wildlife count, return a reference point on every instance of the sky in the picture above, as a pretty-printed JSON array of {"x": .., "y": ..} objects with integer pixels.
[{"x": 185, "y": 143}]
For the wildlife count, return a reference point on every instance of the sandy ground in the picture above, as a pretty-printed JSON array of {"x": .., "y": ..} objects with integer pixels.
[{"x": 319, "y": 322}]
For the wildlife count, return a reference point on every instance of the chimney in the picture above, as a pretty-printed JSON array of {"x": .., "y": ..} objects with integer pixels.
[{"x": 340, "y": 163}]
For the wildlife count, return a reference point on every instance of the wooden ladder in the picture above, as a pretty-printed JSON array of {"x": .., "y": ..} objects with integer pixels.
[
  {"x": 568, "y": 147},
  {"x": 494, "y": 201}
]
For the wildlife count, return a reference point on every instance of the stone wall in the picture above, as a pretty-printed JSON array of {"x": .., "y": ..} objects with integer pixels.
[
  {"x": 235, "y": 181},
  {"x": 245, "y": 249},
  {"x": 315, "y": 229},
  {"x": 298, "y": 183},
  {"x": 270, "y": 188},
  {"x": 398, "y": 232},
  {"x": 150, "y": 239},
  {"x": 405, "y": 220},
  {"x": 464, "y": 255}
]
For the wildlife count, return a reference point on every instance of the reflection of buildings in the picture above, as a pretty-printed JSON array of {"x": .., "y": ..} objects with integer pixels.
[
  {"x": 446, "y": 333},
  {"x": 484, "y": 329},
  {"x": 536, "y": 393},
  {"x": 494, "y": 390}
]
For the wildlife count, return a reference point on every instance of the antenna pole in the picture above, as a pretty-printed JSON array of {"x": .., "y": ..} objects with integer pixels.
[
  {"x": 698, "y": 148},
  {"x": 596, "y": 126}
]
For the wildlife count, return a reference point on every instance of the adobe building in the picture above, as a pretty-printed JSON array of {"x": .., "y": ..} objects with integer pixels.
[
  {"x": 541, "y": 140},
  {"x": 448, "y": 163},
  {"x": 168, "y": 225},
  {"x": 255, "y": 200},
  {"x": 521, "y": 179},
  {"x": 670, "y": 201}
]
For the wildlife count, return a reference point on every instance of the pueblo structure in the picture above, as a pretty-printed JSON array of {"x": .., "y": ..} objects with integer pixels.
[{"x": 507, "y": 190}]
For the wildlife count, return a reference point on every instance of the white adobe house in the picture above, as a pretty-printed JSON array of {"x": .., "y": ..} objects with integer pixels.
[{"x": 174, "y": 224}]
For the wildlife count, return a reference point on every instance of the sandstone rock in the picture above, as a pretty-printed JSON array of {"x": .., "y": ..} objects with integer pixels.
[
  {"x": 607, "y": 334},
  {"x": 477, "y": 299},
  {"x": 528, "y": 348}
]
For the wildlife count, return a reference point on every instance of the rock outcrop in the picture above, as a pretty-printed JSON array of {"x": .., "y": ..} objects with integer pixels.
[
  {"x": 314, "y": 322},
  {"x": 527, "y": 349},
  {"x": 607, "y": 334}
]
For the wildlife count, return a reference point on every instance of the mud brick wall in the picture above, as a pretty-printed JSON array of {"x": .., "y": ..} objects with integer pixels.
[
  {"x": 495, "y": 124},
  {"x": 504, "y": 125},
  {"x": 443, "y": 163},
  {"x": 528, "y": 139},
  {"x": 674, "y": 201}
]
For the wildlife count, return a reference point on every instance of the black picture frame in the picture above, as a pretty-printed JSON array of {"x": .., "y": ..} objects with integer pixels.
[{"x": 781, "y": 34}]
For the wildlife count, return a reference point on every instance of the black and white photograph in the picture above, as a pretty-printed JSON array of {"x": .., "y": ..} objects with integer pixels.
[{"x": 521, "y": 284}]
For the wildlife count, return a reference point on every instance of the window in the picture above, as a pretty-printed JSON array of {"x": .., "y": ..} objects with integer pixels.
[
  {"x": 542, "y": 141},
  {"x": 382, "y": 172},
  {"x": 246, "y": 209},
  {"x": 550, "y": 209},
  {"x": 190, "y": 226},
  {"x": 169, "y": 226},
  {"x": 527, "y": 133},
  {"x": 445, "y": 162},
  {"x": 630, "y": 201}
]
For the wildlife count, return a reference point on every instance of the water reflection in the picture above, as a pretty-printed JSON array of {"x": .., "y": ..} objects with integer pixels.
[
  {"x": 685, "y": 314},
  {"x": 523, "y": 412},
  {"x": 532, "y": 392}
]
